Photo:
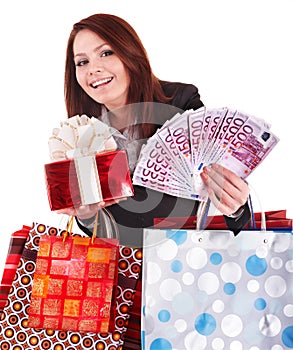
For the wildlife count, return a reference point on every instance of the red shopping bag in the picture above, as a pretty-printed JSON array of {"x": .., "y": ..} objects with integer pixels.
[
  {"x": 14, "y": 253},
  {"x": 276, "y": 219},
  {"x": 74, "y": 284},
  {"x": 14, "y": 327}
]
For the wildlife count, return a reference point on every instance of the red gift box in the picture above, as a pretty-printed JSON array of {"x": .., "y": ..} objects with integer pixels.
[{"x": 87, "y": 180}]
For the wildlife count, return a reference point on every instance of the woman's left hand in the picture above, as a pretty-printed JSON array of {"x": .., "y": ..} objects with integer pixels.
[{"x": 227, "y": 191}]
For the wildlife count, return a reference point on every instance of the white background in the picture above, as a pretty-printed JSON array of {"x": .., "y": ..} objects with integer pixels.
[{"x": 238, "y": 53}]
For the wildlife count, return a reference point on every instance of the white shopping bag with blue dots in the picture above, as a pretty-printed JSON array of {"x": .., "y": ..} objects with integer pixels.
[{"x": 211, "y": 290}]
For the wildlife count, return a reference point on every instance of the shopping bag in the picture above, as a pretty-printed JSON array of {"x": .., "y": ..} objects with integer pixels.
[
  {"x": 74, "y": 283},
  {"x": 14, "y": 329},
  {"x": 274, "y": 219},
  {"x": 212, "y": 290},
  {"x": 16, "y": 245}
]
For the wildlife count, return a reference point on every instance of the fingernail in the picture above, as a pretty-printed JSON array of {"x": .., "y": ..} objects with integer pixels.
[{"x": 204, "y": 176}]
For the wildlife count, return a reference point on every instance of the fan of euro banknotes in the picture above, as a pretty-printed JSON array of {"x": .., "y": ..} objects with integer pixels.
[{"x": 173, "y": 158}]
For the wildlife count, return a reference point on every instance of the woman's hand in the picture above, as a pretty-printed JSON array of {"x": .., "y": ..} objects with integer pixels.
[
  {"x": 88, "y": 211},
  {"x": 227, "y": 191}
]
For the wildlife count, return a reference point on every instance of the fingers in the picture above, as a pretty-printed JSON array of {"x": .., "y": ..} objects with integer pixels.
[
  {"x": 90, "y": 210},
  {"x": 66, "y": 211},
  {"x": 84, "y": 211},
  {"x": 114, "y": 201},
  {"x": 227, "y": 191}
]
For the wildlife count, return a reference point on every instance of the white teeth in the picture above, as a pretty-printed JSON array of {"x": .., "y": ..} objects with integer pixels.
[{"x": 100, "y": 82}]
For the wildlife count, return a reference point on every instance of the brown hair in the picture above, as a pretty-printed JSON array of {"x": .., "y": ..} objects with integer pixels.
[{"x": 144, "y": 85}]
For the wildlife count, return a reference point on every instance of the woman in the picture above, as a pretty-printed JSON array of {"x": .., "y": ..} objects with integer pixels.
[{"x": 108, "y": 76}]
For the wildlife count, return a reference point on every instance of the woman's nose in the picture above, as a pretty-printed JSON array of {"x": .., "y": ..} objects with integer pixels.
[{"x": 95, "y": 66}]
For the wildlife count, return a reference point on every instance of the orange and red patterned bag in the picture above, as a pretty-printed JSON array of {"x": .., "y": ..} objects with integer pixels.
[
  {"x": 74, "y": 284},
  {"x": 15, "y": 332}
]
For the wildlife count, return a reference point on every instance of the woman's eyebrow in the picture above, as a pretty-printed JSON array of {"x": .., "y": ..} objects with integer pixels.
[{"x": 95, "y": 49}]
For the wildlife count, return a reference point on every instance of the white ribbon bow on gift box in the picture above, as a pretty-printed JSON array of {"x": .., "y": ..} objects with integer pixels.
[{"x": 80, "y": 138}]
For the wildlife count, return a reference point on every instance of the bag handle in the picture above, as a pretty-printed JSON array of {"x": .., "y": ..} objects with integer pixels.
[
  {"x": 203, "y": 209},
  {"x": 69, "y": 226},
  {"x": 104, "y": 226},
  {"x": 263, "y": 216},
  {"x": 202, "y": 214}
]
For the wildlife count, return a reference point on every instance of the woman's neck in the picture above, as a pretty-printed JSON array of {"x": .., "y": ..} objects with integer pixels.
[{"x": 121, "y": 119}]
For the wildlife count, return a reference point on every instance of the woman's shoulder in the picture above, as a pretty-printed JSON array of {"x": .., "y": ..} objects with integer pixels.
[
  {"x": 172, "y": 86},
  {"x": 182, "y": 95}
]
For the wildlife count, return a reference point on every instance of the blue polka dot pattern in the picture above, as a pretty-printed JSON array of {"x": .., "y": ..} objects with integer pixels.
[
  {"x": 164, "y": 316},
  {"x": 199, "y": 298},
  {"x": 179, "y": 237},
  {"x": 287, "y": 337},
  {"x": 256, "y": 266},
  {"x": 229, "y": 288},
  {"x": 260, "y": 304},
  {"x": 176, "y": 266},
  {"x": 161, "y": 344},
  {"x": 205, "y": 324},
  {"x": 216, "y": 258}
]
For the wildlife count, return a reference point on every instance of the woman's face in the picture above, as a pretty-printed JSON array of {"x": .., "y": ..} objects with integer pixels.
[{"x": 99, "y": 71}]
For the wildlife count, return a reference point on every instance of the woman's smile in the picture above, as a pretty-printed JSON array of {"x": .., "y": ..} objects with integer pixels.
[{"x": 101, "y": 82}]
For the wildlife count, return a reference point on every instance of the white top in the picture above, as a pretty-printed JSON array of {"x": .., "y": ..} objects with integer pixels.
[{"x": 130, "y": 142}]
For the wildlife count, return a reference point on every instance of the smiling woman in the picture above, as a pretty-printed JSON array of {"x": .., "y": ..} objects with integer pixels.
[
  {"x": 108, "y": 75},
  {"x": 105, "y": 46}
]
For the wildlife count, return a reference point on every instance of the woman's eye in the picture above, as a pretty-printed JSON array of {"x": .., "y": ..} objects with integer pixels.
[
  {"x": 107, "y": 53},
  {"x": 81, "y": 63}
]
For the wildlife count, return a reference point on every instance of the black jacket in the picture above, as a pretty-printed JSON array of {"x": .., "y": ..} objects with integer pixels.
[{"x": 139, "y": 211}]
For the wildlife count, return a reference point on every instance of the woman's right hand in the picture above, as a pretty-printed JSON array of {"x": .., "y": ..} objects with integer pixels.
[{"x": 89, "y": 210}]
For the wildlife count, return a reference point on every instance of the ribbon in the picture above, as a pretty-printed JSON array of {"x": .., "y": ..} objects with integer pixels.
[{"x": 80, "y": 138}]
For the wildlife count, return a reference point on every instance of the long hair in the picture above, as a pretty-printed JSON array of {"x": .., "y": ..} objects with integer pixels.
[{"x": 144, "y": 85}]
